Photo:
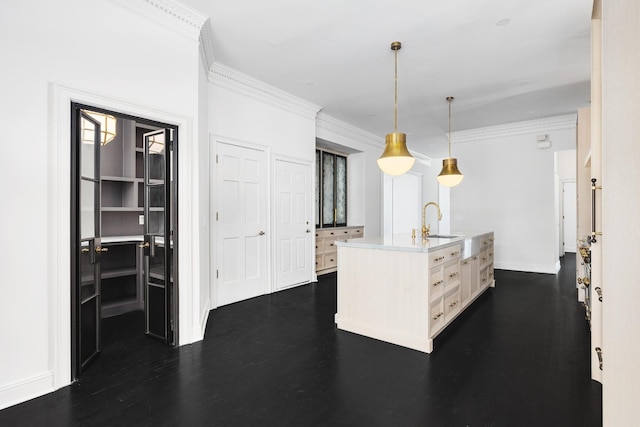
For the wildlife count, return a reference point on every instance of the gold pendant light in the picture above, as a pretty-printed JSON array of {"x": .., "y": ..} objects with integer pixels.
[
  {"x": 396, "y": 159},
  {"x": 450, "y": 176}
]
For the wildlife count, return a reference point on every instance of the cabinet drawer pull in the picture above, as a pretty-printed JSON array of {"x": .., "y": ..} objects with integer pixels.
[
  {"x": 437, "y": 316},
  {"x": 599, "y": 291},
  {"x": 452, "y": 275},
  {"x": 455, "y": 253},
  {"x": 475, "y": 257},
  {"x": 437, "y": 283},
  {"x": 599, "y": 352},
  {"x": 484, "y": 279},
  {"x": 453, "y": 304},
  {"x": 465, "y": 262},
  {"x": 484, "y": 258}
]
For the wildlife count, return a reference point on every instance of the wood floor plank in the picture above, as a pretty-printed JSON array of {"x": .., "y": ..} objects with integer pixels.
[{"x": 518, "y": 357}]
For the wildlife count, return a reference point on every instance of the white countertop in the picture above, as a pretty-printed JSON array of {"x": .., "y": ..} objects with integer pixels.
[{"x": 404, "y": 242}]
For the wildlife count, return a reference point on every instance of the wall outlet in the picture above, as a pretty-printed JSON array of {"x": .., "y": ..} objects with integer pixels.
[{"x": 141, "y": 219}]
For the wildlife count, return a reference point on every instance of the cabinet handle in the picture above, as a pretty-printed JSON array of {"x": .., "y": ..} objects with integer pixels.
[
  {"x": 465, "y": 262},
  {"x": 331, "y": 260},
  {"x": 599, "y": 291},
  {"x": 437, "y": 283},
  {"x": 475, "y": 257},
  {"x": 484, "y": 258},
  {"x": 453, "y": 304},
  {"x": 599, "y": 352},
  {"x": 455, "y": 253},
  {"x": 452, "y": 275},
  {"x": 484, "y": 279},
  {"x": 101, "y": 249},
  {"x": 437, "y": 316},
  {"x": 144, "y": 245}
]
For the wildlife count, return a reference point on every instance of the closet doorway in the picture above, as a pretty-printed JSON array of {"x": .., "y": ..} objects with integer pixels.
[{"x": 123, "y": 234}]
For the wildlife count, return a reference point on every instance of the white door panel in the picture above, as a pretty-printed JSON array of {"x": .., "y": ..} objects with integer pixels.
[
  {"x": 241, "y": 242},
  {"x": 569, "y": 216},
  {"x": 293, "y": 223}
]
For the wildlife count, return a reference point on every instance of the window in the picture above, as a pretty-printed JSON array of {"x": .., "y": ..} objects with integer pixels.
[{"x": 331, "y": 189}]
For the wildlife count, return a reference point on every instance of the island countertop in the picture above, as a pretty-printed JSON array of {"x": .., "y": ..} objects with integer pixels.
[{"x": 469, "y": 242}]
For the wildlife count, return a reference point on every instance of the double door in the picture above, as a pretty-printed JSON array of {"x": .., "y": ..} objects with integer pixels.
[{"x": 87, "y": 248}]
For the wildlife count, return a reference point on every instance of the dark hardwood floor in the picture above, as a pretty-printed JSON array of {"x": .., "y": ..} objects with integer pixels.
[{"x": 518, "y": 357}]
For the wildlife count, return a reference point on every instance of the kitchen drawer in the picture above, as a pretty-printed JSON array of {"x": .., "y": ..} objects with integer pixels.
[
  {"x": 490, "y": 254},
  {"x": 484, "y": 278},
  {"x": 438, "y": 257},
  {"x": 452, "y": 252},
  {"x": 436, "y": 316},
  {"x": 355, "y": 233},
  {"x": 452, "y": 304},
  {"x": 319, "y": 262},
  {"x": 330, "y": 260},
  {"x": 436, "y": 283},
  {"x": 484, "y": 257},
  {"x": 452, "y": 272}
]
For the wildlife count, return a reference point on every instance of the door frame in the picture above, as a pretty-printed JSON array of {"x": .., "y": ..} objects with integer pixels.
[
  {"x": 215, "y": 203},
  {"x": 273, "y": 222},
  {"x": 58, "y": 257}
]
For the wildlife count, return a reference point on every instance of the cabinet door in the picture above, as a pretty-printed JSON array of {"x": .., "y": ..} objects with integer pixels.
[
  {"x": 158, "y": 244},
  {"x": 465, "y": 280},
  {"x": 86, "y": 295}
]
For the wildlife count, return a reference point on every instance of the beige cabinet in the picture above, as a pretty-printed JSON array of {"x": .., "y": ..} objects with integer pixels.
[{"x": 326, "y": 250}]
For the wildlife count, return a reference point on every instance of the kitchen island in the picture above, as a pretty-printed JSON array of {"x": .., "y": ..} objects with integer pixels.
[{"x": 406, "y": 290}]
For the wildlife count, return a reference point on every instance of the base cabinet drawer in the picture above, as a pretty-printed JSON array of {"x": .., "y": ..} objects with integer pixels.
[
  {"x": 436, "y": 321},
  {"x": 326, "y": 249}
]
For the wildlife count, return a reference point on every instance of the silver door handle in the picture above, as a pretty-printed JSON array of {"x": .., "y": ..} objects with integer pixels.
[
  {"x": 261, "y": 233},
  {"x": 308, "y": 231}
]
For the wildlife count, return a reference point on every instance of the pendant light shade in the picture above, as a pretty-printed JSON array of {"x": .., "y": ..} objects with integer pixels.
[
  {"x": 396, "y": 159},
  {"x": 450, "y": 176},
  {"x": 107, "y": 127}
]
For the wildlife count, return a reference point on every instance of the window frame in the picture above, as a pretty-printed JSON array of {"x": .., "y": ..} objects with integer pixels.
[{"x": 320, "y": 201}]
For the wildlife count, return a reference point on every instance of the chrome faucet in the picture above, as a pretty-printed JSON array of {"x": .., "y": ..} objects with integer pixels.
[{"x": 425, "y": 229}]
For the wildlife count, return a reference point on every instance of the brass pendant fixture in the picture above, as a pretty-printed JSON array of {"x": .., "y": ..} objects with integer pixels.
[
  {"x": 396, "y": 159},
  {"x": 450, "y": 176}
]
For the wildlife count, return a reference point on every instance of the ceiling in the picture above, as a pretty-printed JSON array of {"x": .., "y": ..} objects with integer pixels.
[{"x": 336, "y": 53}]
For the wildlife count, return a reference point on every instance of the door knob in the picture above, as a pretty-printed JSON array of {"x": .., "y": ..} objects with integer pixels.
[
  {"x": 261, "y": 233},
  {"x": 308, "y": 231},
  {"x": 101, "y": 249},
  {"x": 84, "y": 250},
  {"x": 144, "y": 245}
]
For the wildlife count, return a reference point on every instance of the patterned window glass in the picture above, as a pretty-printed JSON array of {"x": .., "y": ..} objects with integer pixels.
[
  {"x": 327, "y": 188},
  {"x": 341, "y": 190},
  {"x": 331, "y": 189}
]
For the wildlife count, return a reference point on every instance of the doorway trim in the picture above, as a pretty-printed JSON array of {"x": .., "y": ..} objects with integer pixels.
[{"x": 59, "y": 219}]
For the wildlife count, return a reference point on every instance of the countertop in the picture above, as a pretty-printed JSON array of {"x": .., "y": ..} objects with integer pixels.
[{"x": 403, "y": 242}]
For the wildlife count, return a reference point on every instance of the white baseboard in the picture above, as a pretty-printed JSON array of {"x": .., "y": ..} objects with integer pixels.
[
  {"x": 26, "y": 389},
  {"x": 529, "y": 268}
]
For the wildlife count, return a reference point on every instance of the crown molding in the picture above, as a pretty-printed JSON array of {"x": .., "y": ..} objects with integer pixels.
[
  {"x": 171, "y": 13},
  {"x": 325, "y": 122},
  {"x": 206, "y": 44},
  {"x": 234, "y": 80},
  {"x": 567, "y": 121},
  {"x": 421, "y": 158}
]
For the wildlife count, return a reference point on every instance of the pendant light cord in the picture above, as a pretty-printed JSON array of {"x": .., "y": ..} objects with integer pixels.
[
  {"x": 395, "y": 101},
  {"x": 449, "y": 100}
]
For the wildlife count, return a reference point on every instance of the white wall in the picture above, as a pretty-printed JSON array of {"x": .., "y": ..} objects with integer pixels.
[
  {"x": 620, "y": 212},
  {"x": 365, "y": 178},
  {"x": 247, "y": 112},
  {"x": 509, "y": 189},
  {"x": 54, "y": 51}
]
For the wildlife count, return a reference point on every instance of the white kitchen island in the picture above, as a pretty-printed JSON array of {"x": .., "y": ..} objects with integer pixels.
[{"x": 406, "y": 291}]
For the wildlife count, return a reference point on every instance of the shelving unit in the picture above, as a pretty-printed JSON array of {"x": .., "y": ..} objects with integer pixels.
[
  {"x": 121, "y": 209},
  {"x": 121, "y": 277}
]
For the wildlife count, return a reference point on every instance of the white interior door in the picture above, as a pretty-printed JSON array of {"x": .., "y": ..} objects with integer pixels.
[
  {"x": 241, "y": 223},
  {"x": 403, "y": 201},
  {"x": 293, "y": 226},
  {"x": 569, "y": 218}
]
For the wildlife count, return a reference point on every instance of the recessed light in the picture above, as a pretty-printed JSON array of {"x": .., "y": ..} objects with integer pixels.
[{"x": 502, "y": 22}]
